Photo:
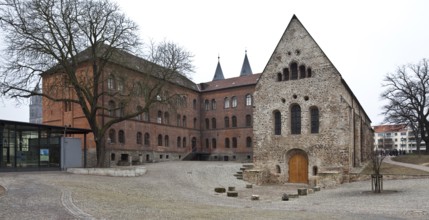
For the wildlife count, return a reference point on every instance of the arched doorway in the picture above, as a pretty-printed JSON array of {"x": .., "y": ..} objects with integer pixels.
[{"x": 298, "y": 167}]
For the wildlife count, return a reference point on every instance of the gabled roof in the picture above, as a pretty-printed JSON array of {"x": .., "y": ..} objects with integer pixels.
[
  {"x": 245, "y": 69},
  {"x": 230, "y": 83},
  {"x": 218, "y": 73},
  {"x": 390, "y": 128}
]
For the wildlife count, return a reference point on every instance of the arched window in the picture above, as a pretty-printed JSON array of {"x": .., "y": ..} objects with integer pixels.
[
  {"x": 207, "y": 143},
  {"x": 159, "y": 117},
  {"x": 112, "y": 135},
  {"x": 314, "y": 112},
  {"x": 213, "y": 123},
  {"x": 234, "y": 121},
  {"x": 194, "y": 104},
  {"x": 294, "y": 69},
  {"x": 111, "y": 82},
  {"x": 248, "y": 100},
  {"x": 308, "y": 72},
  {"x": 213, "y": 143},
  {"x": 112, "y": 107},
  {"x": 248, "y": 121},
  {"x": 226, "y": 102},
  {"x": 206, "y": 105},
  {"x": 179, "y": 142},
  {"x": 121, "y": 137},
  {"x": 139, "y": 138},
  {"x": 166, "y": 118},
  {"x": 302, "y": 72},
  {"x": 184, "y": 121},
  {"x": 295, "y": 119},
  {"x": 226, "y": 119},
  {"x": 248, "y": 142},
  {"x": 213, "y": 104},
  {"x": 179, "y": 119},
  {"x": 159, "y": 140},
  {"x": 166, "y": 141},
  {"x": 227, "y": 143},
  {"x": 277, "y": 123},
  {"x": 234, "y": 142},
  {"x": 279, "y": 77},
  {"x": 207, "y": 124},
  {"x": 234, "y": 101},
  {"x": 146, "y": 139},
  {"x": 285, "y": 74},
  {"x": 184, "y": 142},
  {"x": 195, "y": 123}
]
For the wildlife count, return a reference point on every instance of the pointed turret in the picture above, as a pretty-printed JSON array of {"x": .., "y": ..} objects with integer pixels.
[
  {"x": 218, "y": 74},
  {"x": 245, "y": 69}
]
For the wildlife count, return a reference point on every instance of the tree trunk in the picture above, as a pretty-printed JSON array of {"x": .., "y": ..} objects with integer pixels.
[
  {"x": 101, "y": 152},
  {"x": 377, "y": 183}
]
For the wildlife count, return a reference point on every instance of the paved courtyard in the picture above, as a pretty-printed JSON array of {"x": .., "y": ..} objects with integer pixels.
[{"x": 185, "y": 190}]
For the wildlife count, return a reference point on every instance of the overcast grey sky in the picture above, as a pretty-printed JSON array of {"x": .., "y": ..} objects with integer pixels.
[{"x": 364, "y": 39}]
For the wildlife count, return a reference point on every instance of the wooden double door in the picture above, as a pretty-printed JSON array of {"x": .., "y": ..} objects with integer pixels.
[{"x": 298, "y": 169}]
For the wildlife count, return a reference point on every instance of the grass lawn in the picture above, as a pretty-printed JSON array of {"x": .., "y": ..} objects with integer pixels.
[
  {"x": 421, "y": 159},
  {"x": 390, "y": 169}
]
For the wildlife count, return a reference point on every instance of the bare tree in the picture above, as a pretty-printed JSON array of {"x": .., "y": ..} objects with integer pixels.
[
  {"x": 407, "y": 93},
  {"x": 376, "y": 159},
  {"x": 72, "y": 45}
]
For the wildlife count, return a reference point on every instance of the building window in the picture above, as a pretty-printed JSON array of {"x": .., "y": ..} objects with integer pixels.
[
  {"x": 279, "y": 77},
  {"x": 207, "y": 124},
  {"x": 226, "y": 119},
  {"x": 234, "y": 101},
  {"x": 195, "y": 123},
  {"x": 194, "y": 104},
  {"x": 295, "y": 119},
  {"x": 139, "y": 116},
  {"x": 179, "y": 119},
  {"x": 67, "y": 106},
  {"x": 248, "y": 100},
  {"x": 214, "y": 143},
  {"x": 234, "y": 121},
  {"x": 166, "y": 118},
  {"x": 112, "y": 135},
  {"x": 139, "y": 138},
  {"x": 146, "y": 139},
  {"x": 302, "y": 72},
  {"x": 159, "y": 140},
  {"x": 285, "y": 74},
  {"x": 213, "y": 123},
  {"x": 207, "y": 143},
  {"x": 111, "y": 82},
  {"x": 159, "y": 117},
  {"x": 309, "y": 72},
  {"x": 227, "y": 143},
  {"x": 184, "y": 123},
  {"x": 112, "y": 107},
  {"x": 234, "y": 142},
  {"x": 314, "y": 111},
  {"x": 206, "y": 105},
  {"x": 121, "y": 85},
  {"x": 184, "y": 142},
  {"x": 248, "y": 121},
  {"x": 294, "y": 68},
  {"x": 277, "y": 123},
  {"x": 226, "y": 102},
  {"x": 179, "y": 142},
  {"x": 121, "y": 137},
  {"x": 248, "y": 142},
  {"x": 166, "y": 141},
  {"x": 121, "y": 110},
  {"x": 146, "y": 116},
  {"x": 213, "y": 104}
]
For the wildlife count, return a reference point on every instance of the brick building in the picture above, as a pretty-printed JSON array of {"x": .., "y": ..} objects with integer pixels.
[
  {"x": 308, "y": 125},
  {"x": 211, "y": 121}
]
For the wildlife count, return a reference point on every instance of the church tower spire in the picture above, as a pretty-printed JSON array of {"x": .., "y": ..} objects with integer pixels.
[
  {"x": 245, "y": 69},
  {"x": 218, "y": 73}
]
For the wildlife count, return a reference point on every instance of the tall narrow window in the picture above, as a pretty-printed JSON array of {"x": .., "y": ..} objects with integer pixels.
[
  {"x": 302, "y": 72},
  {"x": 194, "y": 104},
  {"x": 248, "y": 142},
  {"x": 184, "y": 121},
  {"x": 227, "y": 143},
  {"x": 213, "y": 104},
  {"x": 295, "y": 119},
  {"x": 314, "y": 111},
  {"x": 121, "y": 83},
  {"x": 112, "y": 135},
  {"x": 279, "y": 77},
  {"x": 207, "y": 124},
  {"x": 195, "y": 123},
  {"x": 277, "y": 123},
  {"x": 226, "y": 119},
  {"x": 166, "y": 118},
  {"x": 234, "y": 121},
  {"x": 309, "y": 72},
  {"x": 213, "y": 143},
  {"x": 184, "y": 142},
  {"x": 159, "y": 140},
  {"x": 234, "y": 101},
  {"x": 179, "y": 142},
  {"x": 213, "y": 123},
  {"x": 111, "y": 82},
  {"x": 121, "y": 110},
  {"x": 166, "y": 141},
  {"x": 145, "y": 116},
  {"x": 294, "y": 68},
  {"x": 139, "y": 116},
  {"x": 179, "y": 119},
  {"x": 146, "y": 139},
  {"x": 139, "y": 138},
  {"x": 285, "y": 74},
  {"x": 226, "y": 102},
  {"x": 248, "y": 121},
  {"x": 248, "y": 100},
  {"x": 234, "y": 142},
  {"x": 206, "y": 105},
  {"x": 207, "y": 143},
  {"x": 112, "y": 107},
  {"x": 159, "y": 117},
  {"x": 121, "y": 137}
]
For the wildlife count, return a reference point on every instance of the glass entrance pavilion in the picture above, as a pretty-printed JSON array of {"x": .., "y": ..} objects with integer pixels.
[{"x": 27, "y": 146}]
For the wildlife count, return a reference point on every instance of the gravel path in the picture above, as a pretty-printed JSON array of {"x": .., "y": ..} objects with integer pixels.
[{"x": 185, "y": 190}]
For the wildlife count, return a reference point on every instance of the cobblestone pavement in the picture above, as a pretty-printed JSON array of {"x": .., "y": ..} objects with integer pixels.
[{"x": 185, "y": 190}]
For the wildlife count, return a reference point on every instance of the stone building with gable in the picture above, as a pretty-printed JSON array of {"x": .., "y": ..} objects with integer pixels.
[{"x": 308, "y": 125}]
